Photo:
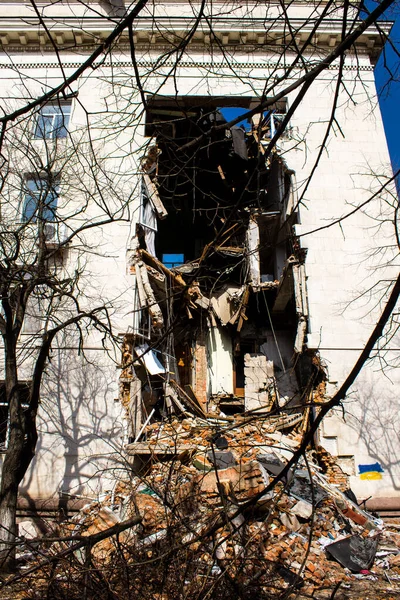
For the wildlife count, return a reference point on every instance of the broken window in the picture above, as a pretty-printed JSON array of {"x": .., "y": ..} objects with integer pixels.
[
  {"x": 272, "y": 120},
  {"x": 148, "y": 219}
]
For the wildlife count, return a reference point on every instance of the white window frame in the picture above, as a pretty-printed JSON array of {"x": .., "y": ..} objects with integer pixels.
[
  {"x": 52, "y": 120},
  {"x": 275, "y": 118}
]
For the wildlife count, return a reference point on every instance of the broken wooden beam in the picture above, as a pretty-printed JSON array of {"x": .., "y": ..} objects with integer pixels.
[
  {"x": 243, "y": 307},
  {"x": 156, "y": 275},
  {"x": 146, "y": 292},
  {"x": 190, "y": 401},
  {"x": 154, "y": 197},
  {"x": 158, "y": 265}
]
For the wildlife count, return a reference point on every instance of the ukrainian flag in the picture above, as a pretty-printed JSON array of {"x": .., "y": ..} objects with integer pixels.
[{"x": 370, "y": 472}]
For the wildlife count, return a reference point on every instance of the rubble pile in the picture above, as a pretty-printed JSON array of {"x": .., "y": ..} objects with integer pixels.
[
  {"x": 210, "y": 514},
  {"x": 304, "y": 524},
  {"x": 201, "y": 516},
  {"x": 332, "y": 470}
]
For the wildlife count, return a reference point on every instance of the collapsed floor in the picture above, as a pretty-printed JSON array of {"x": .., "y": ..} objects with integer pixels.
[
  {"x": 221, "y": 311},
  {"x": 210, "y": 527}
]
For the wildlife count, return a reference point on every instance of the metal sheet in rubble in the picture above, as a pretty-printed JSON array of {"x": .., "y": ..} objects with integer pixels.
[
  {"x": 354, "y": 552},
  {"x": 150, "y": 360},
  {"x": 274, "y": 465},
  {"x": 221, "y": 460}
]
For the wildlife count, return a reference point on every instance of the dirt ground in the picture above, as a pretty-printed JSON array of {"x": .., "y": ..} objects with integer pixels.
[{"x": 358, "y": 590}]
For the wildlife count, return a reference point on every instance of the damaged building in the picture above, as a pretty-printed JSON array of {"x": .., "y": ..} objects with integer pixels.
[
  {"x": 231, "y": 289},
  {"x": 221, "y": 297}
]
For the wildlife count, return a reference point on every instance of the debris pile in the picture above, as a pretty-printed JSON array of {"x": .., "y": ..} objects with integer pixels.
[
  {"x": 305, "y": 524},
  {"x": 203, "y": 492}
]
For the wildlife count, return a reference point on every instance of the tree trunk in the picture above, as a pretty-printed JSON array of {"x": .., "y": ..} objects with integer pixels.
[
  {"x": 8, "y": 510},
  {"x": 16, "y": 462}
]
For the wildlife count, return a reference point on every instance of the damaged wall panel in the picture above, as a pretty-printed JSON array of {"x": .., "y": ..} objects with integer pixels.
[
  {"x": 220, "y": 361},
  {"x": 300, "y": 294},
  {"x": 146, "y": 295},
  {"x": 253, "y": 244},
  {"x": 200, "y": 368},
  {"x": 135, "y": 410},
  {"x": 259, "y": 379},
  {"x": 153, "y": 195}
]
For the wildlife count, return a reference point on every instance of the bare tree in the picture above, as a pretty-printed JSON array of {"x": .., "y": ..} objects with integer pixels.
[{"x": 43, "y": 294}]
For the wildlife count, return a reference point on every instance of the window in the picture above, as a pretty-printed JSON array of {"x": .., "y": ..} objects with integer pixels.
[
  {"x": 4, "y": 418},
  {"x": 271, "y": 121},
  {"x": 52, "y": 121},
  {"x": 274, "y": 120},
  {"x": 173, "y": 260},
  {"x": 40, "y": 201}
]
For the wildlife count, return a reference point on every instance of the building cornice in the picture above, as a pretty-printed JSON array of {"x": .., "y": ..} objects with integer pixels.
[{"x": 80, "y": 35}]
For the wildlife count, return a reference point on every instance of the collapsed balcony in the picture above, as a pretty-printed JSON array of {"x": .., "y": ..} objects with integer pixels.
[{"x": 221, "y": 300}]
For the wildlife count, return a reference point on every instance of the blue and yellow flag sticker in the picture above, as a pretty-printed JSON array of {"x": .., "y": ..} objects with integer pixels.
[{"x": 370, "y": 472}]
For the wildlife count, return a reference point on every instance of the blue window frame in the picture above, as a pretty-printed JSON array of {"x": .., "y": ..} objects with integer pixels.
[
  {"x": 52, "y": 121},
  {"x": 173, "y": 260},
  {"x": 40, "y": 202}
]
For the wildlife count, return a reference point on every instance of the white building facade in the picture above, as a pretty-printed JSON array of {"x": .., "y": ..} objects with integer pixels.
[{"x": 220, "y": 264}]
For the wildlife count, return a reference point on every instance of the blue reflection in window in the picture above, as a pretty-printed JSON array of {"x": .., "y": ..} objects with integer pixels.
[
  {"x": 40, "y": 201},
  {"x": 52, "y": 121}
]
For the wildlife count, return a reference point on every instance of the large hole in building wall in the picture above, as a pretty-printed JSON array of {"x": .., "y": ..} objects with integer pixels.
[
  {"x": 221, "y": 314},
  {"x": 212, "y": 186}
]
